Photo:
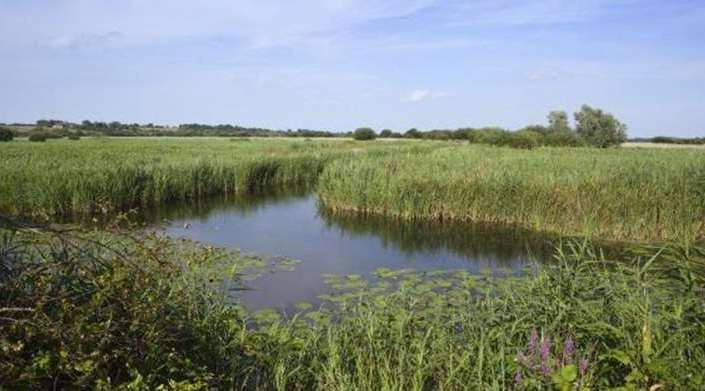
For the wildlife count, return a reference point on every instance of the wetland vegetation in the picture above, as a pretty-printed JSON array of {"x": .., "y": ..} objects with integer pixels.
[{"x": 113, "y": 308}]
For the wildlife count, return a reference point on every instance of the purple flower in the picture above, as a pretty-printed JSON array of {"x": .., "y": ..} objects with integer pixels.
[
  {"x": 517, "y": 377},
  {"x": 533, "y": 342},
  {"x": 582, "y": 365},
  {"x": 568, "y": 349},
  {"x": 545, "y": 356}
]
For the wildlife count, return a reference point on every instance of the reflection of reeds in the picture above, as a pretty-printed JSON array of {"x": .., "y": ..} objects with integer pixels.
[
  {"x": 499, "y": 243},
  {"x": 642, "y": 195}
]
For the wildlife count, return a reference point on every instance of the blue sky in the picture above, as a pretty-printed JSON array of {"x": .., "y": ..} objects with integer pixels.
[{"x": 341, "y": 64}]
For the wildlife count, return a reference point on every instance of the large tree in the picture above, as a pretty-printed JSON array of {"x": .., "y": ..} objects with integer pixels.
[
  {"x": 599, "y": 128},
  {"x": 558, "y": 122}
]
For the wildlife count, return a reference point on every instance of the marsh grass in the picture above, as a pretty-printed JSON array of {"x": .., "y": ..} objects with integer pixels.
[
  {"x": 628, "y": 195},
  {"x": 109, "y": 175}
]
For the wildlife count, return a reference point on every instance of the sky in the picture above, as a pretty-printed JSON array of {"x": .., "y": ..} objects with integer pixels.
[{"x": 341, "y": 64}]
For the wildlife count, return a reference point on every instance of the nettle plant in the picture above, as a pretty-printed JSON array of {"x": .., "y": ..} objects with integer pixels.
[{"x": 549, "y": 362}]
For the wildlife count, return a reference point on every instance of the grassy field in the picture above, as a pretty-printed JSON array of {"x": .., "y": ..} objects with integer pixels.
[{"x": 614, "y": 194}]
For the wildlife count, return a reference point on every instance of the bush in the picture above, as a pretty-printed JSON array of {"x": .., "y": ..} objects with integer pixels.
[
  {"x": 364, "y": 134},
  {"x": 38, "y": 137},
  {"x": 5, "y": 134},
  {"x": 81, "y": 317},
  {"x": 524, "y": 139},
  {"x": 73, "y": 137}
]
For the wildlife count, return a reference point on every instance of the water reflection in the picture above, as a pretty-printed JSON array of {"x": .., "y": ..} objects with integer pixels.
[{"x": 290, "y": 224}]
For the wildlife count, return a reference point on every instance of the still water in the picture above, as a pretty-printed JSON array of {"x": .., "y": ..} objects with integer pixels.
[{"x": 292, "y": 225}]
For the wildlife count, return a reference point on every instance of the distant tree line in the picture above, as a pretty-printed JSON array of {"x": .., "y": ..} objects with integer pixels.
[
  {"x": 671, "y": 140},
  {"x": 593, "y": 127}
]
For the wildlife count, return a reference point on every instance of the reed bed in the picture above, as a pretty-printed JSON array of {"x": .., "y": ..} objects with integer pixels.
[
  {"x": 615, "y": 194},
  {"x": 62, "y": 178}
]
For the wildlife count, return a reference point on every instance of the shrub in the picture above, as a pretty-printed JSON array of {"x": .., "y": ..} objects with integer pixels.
[
  {"x": 524, "y": 139},
  {"x": 363, "y": 134},
  {"x": 5, "y": 134},
  {"x": 80, "y": 316},
  {"x": 38, "y": 137},
  {"x": 73, "y": 137}
]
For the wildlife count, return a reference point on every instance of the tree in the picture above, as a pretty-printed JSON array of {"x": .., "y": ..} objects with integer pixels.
[
  {"x": 386, "y": 133},
  {"x": 598, "y": 128},
  {"x": 5, "y": 134},
  {"x": 558, "y": 122},
  {"x": 413, "y": 133},
  {"x": 364, "y": 134}
]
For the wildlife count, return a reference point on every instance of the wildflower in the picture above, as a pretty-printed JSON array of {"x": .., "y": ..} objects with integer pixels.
[
  {"x": 582, "y": 365},
  {"x": 545, "y": 356},
  {"x": 521, "y": 359},
  {"x": 517, "y": 377},
  {"x": 532, "y": 343},
  {"x": 568, "y": 349}
]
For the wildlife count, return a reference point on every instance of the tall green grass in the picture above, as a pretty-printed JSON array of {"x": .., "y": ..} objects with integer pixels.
[
  {"x": 106, "y": 312},
  {"x": 62, "y": 178},
  {"x": 641, "y": 195}
]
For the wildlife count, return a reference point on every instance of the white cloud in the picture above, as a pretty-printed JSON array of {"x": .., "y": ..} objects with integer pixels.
[{"x": 422, "y": 95}]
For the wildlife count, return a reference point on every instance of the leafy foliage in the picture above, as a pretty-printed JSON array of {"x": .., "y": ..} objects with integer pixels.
[
  {"x": 598, "y": 128},
  {"x": 363, "y": 134},
  {"x": 5, "y": 134},
  {"x": 89, "y": 310}
]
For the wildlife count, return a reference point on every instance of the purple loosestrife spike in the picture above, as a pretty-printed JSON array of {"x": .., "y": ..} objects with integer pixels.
[
  {"x": 532, "y": 342},
  {"x": 568, "y": 350},
  {"x": 545, "y": 356},
  {"x": 582, "y": 365},
  {"x": 517, "y": 377},
  {"x": 532, "y": 348}
]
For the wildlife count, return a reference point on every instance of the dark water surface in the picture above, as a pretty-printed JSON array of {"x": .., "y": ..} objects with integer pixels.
[{"x": 292, "y": 225}]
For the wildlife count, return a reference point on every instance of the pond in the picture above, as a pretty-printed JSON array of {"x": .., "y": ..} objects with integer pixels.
[{"x": 292, "y": 225}]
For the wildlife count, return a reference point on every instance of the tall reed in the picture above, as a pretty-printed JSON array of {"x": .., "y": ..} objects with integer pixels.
[{"x": 641, "y": 195}]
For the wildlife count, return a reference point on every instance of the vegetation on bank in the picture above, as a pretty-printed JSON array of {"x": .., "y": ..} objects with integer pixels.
[
  {"x": 102, "y": 311},
  {"x": 655, "y": 195},
  {"x": 44, "y": 180}
]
